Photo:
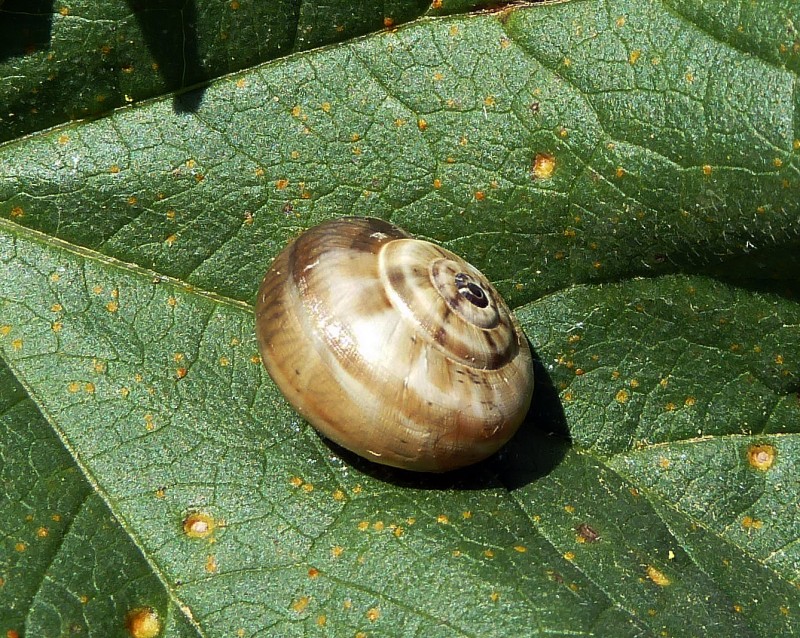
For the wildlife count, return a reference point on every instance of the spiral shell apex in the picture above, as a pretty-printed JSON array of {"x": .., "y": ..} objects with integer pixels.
[{"x": 393, "y": 347}]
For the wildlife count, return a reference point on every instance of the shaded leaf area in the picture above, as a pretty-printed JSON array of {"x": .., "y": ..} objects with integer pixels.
[
  {"x": 159, "y": 390},
  {"x": 66, "y": 566},
  {"x": 64, "y": 61},
  {"x": 577, "y": 142}
]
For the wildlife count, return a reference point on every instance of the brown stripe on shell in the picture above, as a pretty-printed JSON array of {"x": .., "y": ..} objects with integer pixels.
[{"x": 440, "y": 320}]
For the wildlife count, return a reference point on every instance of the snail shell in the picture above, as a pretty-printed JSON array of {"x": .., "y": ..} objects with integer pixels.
[{"x": 393, "y": 347}]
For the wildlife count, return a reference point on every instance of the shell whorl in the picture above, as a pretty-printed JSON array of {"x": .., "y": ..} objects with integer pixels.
[{"x": 393, "y": 347}]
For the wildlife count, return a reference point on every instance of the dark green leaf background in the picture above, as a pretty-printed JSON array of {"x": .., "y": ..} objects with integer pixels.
[{"x": 627, "y": 174}]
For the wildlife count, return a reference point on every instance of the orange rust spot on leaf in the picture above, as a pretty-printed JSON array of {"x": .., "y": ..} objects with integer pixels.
[
  {"x": 657, "y": 576},
  {"x": 761, "y": 457},
  {"x": 143, "y": 622},
  {"x": 199, "y": 525},
  {"x": 301, "y": 603}
]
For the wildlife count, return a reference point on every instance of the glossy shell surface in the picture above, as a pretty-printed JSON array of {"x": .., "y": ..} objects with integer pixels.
[{"x": 393, "y": 347}]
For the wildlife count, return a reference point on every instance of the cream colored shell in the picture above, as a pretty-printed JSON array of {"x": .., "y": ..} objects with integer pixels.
[{"x": 393, "y": 347}]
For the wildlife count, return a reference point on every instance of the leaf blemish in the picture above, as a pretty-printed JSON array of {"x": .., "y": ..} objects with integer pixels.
[
  {"x": 143, "y": 622},
  {"x": 657, "y": 576},
  {"x": 199, "y": 525},
  {"x": 544, "y": 165},
  {"x": 761, "y": 457},
  {"x": 587, "y": 534}
]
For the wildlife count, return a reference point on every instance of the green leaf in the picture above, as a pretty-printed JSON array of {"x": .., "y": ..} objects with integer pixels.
[
  {"x": 568, "y": 151},
  {"x": 63, "y": 61},
  {"x": 64, "y": 552}
]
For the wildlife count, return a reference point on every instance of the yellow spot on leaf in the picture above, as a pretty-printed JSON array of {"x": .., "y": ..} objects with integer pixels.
[
  {"x": 211, "y": 564},
  {"x": 442, "y": 519},
  {"x": 363, "y": 526},
  {"x": 422, "y": 124},
  {"x": 634, "y": 56},
  {"x": 622, "y": 396},
  {"x": 143, "y": 623},
  {"x": 657, "y": 576},
  {"x": 301, "y": 603},
  {"x": 761, "y": 457},
  {"x": 544, "y": 165},
  {"x": 569, "y": 556},
  {"x": 373, "y": 614},
  {"x": 17, "y": 212},
  {"x": 748, "y": 522},
  {"x": 337, "y": 551},
  {"x": 199, "y": 525},
  {"x": 112, "y": 306}
]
